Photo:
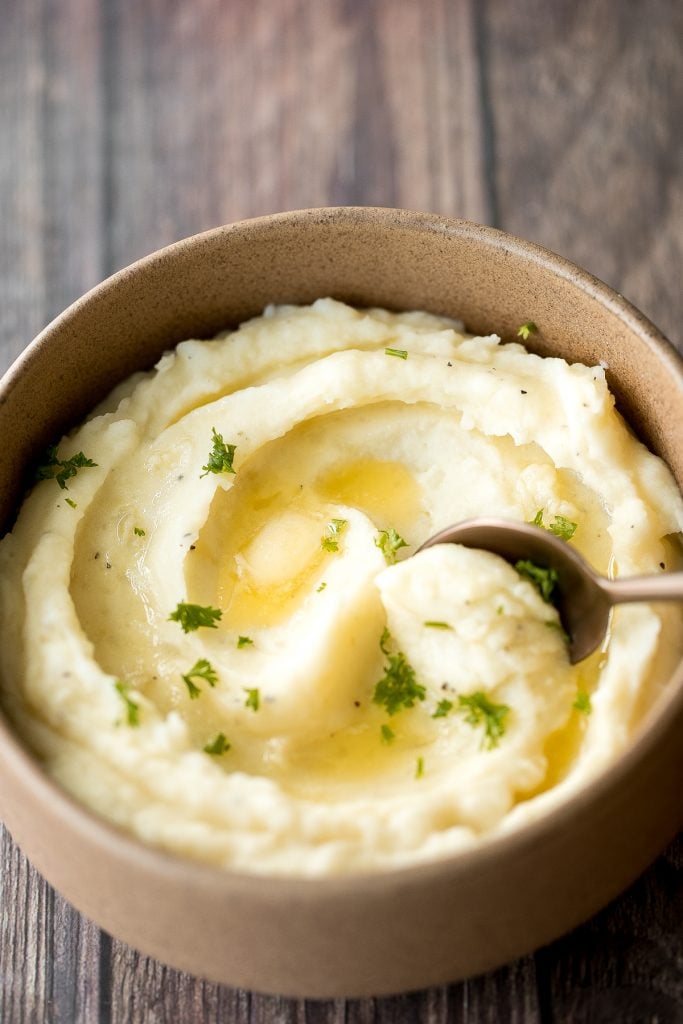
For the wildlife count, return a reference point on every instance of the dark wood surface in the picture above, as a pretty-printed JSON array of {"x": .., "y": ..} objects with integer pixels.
[{"x": 124, "y": 126}]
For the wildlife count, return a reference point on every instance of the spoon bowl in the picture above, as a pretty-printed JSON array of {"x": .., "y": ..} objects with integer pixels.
[{"x": 583, "y": 598}]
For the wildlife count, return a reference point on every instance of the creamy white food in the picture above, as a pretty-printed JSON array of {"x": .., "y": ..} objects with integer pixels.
[{"x": 261, "y": 740}]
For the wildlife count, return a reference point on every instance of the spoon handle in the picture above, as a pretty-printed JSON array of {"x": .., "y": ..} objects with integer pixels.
[{"x": 667, "y": 586}]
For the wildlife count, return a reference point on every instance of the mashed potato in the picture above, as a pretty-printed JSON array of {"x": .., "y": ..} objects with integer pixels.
[{"x": 213, "y": 633}]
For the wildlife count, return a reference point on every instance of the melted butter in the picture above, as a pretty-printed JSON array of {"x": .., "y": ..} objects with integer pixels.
[
  {"x": 260, "y": 553},
  {"x": 357, "y": 755},
  {"x": 275, "y": 567},
  {"x": 386, "y": 491},
  {"x": 562, "y": 746},
  {"x": 592, "y": 538}
]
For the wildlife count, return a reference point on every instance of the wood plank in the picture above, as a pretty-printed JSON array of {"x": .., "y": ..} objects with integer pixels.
[
  {"x": 626, "y": 963},
  {"x": 22, "y": 278},
  {"x": 347, "y": 103},
  {"x": 586, "y": 106}
]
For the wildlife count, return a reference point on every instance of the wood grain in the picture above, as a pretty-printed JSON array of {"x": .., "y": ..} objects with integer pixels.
[
  {"x": 586, "y": 104},
  {"x": 126, "y": 126}
]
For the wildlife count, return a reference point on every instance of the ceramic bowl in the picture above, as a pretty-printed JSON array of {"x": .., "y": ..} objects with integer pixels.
[{"x": 400, "y": 929}]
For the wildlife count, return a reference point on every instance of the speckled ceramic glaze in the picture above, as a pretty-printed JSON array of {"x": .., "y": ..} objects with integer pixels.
[{"x": 396, "y": 930}]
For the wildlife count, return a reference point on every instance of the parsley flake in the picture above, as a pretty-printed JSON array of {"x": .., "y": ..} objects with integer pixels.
[
  {"x": 432, "y": 624},
  {"x": 253, "y": 700},
  {"x": 443, "y": 708},
  {"x": 62, "y": 470},
  {"x": 387, "y": 733},
  {"x": 218, "y": 745},
  {"x": 132, "y": 707},
  {"x": 244, "y": 641},
  {"x": 389, "y": 542},
  {"x": 525, "y": 330},
  {"x": 561, "y": 526},
  {"x": 220, "y": 457},
  {"x": 543, "y": 579},
  {"x": 138, "y": 531},
  {"x": 192, "y": 616},
  {"x": 419, "y": 767},
  {"x": 70, "y": 502},
  {"x": 398, "y": 688},
  {"x": 201, "y": 669},
  {"x": 321, "y": 587},
  {"x": 479, "y": 710},
  {"x": 194, "y": 691},
  {"x": 583, "y": 702},
  {"x": 400, "y": 353},
  {"x": 330, "y": 540}
]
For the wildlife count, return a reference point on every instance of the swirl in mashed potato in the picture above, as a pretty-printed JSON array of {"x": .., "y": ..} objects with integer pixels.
[{"x": 260, "y": 741}]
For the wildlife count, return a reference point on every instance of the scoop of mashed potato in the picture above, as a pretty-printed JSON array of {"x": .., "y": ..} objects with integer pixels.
[{"x": 213, "y": 631}]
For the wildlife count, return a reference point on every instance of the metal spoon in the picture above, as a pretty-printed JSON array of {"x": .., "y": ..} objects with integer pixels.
[{"x": 582, "y": 597}]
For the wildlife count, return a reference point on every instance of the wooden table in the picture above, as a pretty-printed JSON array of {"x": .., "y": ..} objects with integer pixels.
[{"x": 128, "y": 125}]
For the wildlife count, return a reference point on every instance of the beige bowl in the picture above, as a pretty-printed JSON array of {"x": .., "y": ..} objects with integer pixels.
[{"x": 397, "y": 930}]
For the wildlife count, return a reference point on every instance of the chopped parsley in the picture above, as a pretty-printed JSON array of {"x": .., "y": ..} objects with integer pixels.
[
  {"x": 132, "y": 707},
  {"x": 479, "y": 710},
  {"x": 400, "y": 353},
  {"x": 330, "y": 540},
  {"x": 201, "y": 669},
  {"x": 218, "y": 745},
  {"x": 62, "y": 470},
  {"x": 543, "y": 579},
  {"x": 71, "y": 502},
  {"x": 561, "y": 526},
  {"x": 138, "y": 531},
  {"x": 583, "y": 702},
  {"x": 192, "y": 616},
  {"x": 384, "y": 641},
  {"x": 253, "y": 700},
  {"x": 389, "y": 542},
  {"x": 436, "y": 625},
  {"x": 220, "y": 457},
  {"x": 244, "y": 641},
  {"x": 525, "y": 330},
  {"x": 398, "y": 688},
  {"x": 194, "y": 691},
  {"x": 443, "y": 708},
  {"x": 321, "y": 587},
  {"x": 387, "y": 733},
  {"x": 419, "y": 767}
]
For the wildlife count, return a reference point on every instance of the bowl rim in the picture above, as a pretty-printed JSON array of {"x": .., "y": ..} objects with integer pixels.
[{"x": 269, "y": 886}]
